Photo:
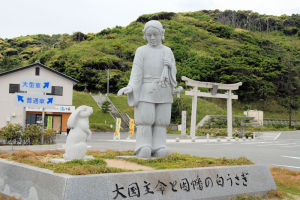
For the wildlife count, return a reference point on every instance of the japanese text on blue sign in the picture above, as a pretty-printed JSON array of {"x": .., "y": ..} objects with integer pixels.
[
  {"x": 35, "y": 85},
  {"x": 34, "y": 101}
]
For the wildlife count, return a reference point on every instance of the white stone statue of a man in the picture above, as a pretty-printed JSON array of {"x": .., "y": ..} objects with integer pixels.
[{"x": 150, "y": 91}]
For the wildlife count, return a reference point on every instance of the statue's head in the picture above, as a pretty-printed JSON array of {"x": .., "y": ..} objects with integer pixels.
[
  {"x": 154, "y": 32},
  {"x": 79, "y": 115}
]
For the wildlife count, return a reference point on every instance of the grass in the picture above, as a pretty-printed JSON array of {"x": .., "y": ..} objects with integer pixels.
[
  {"x": 75, "y": 167},
  {"x": 176, "y": 160},
  {"x": 270, "y": 108},
  {"x": 287, "y": 181},
  {"x": 8, "y": 198},
  {"x": 98, "y": 165},
  {"x": 204, "y": 107},
  {"x": 98, "y": 120},
  {"x": 271, "y": 195},
  {"x": 121, "y": 103}
]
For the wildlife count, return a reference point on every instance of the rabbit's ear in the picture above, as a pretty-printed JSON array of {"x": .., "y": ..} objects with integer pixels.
[{"x": 72, "y": 119}]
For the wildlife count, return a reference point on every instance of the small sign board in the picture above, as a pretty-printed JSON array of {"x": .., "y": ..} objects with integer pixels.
[
  {"x": 35, "y": 85},
  {"x": 131, "y": 128},
  {"x": 57, "y": 108},
  {"x": 34, "y": 100},
  {"x": 118, "y": 127}
]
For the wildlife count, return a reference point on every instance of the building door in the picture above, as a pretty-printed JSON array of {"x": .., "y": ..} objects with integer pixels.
[
  {"x": 30, "y": 118},
  {"x": 57, "y": 123}
]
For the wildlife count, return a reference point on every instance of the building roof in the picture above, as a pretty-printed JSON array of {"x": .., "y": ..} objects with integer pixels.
[{"x": 40, "y": 65}]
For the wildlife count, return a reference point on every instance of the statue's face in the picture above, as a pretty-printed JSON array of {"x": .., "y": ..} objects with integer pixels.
[{"x": 153, "y": 36}]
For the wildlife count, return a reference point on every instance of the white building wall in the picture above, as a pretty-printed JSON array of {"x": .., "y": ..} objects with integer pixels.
[{"x": 7, "y": 105}]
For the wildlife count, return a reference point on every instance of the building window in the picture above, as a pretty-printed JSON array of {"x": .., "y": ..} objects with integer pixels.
[
  {"x": 15, "y": 88},
  {"x": 56, "y": 90},
  {"x": 37, "y": 71}
]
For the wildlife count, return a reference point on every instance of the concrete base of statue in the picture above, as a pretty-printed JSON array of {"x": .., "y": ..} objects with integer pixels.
[{"x": 32, "y": 183}]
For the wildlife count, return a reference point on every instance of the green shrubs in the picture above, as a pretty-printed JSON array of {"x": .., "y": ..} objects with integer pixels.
[
  {"x": 11, "y": 133},
  {"x": 156, "y": 16},
  {"x": 222, "y": 132},
  {"x": 221, "y": 122},
  {"x": 221, "y": 30},
  {"x": 290, "y": 31},
  {"x": 32, "y": 134},
  {"x": 49, "y": 136},
  {"x": 14, "y": 134}
]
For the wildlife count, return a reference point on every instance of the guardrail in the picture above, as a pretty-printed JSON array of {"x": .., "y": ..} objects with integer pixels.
[{"x": 280, "y": 121}]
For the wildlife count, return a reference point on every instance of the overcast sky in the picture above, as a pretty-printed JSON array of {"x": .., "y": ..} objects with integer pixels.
[{"x": 28, "y": 17}]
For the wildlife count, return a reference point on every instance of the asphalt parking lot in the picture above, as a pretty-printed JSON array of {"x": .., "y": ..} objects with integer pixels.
[{"x": 282, "y": 152}]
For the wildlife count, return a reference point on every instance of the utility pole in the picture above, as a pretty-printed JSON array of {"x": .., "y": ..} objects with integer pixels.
[{"x": 107, "y": 89}]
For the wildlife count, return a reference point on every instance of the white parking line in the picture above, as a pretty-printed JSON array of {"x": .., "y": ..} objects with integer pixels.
[
  {"x": 292, "y": 146},
  {"x": 277, "y": 136},
  {"x": 215, "y": 143},
  {"x": 258, "y": 142},
  {"x": 298, "y": 158},
  {"x": 284, "y": 144},
  {"x": 286, "y": 166}
]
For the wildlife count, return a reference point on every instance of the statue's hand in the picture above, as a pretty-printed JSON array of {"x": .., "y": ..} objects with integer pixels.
[
  {"x": 125, "y": 90},
  {"x": 164, "y": 78}
]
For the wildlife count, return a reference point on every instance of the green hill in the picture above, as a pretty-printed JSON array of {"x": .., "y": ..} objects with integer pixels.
[
  {"x": 98, "y": 120},
  {"x": 262, "y": 51}
]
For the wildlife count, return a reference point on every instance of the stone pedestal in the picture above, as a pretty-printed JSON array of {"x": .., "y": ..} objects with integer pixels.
[{"x": 32, "y": 183}]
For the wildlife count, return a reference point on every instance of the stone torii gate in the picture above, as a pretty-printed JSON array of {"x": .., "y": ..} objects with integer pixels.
[{"x": 213, "y": 93}]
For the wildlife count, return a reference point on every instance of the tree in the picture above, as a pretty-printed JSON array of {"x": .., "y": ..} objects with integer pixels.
[
  {"x": 106, "y": 107},
  {"x": 78, "y": 36},
  {"x": 289, "y": 91},
  {"x": 177, "y": 107}
]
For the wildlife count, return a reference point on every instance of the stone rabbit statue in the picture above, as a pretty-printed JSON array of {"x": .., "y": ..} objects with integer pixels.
[{"x": 78, "y": 122}]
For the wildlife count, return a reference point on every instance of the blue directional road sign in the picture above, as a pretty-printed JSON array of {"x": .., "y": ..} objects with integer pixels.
[
  {"x": 34, "y": 101},
  {"x": 35, "y": 85}
]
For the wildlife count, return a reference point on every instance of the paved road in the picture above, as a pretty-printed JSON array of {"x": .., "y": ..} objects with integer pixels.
[{"x": 283, "y": 152}]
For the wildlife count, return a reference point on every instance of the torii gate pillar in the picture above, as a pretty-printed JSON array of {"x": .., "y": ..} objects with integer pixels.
[{"x": 229, "y": 115}]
